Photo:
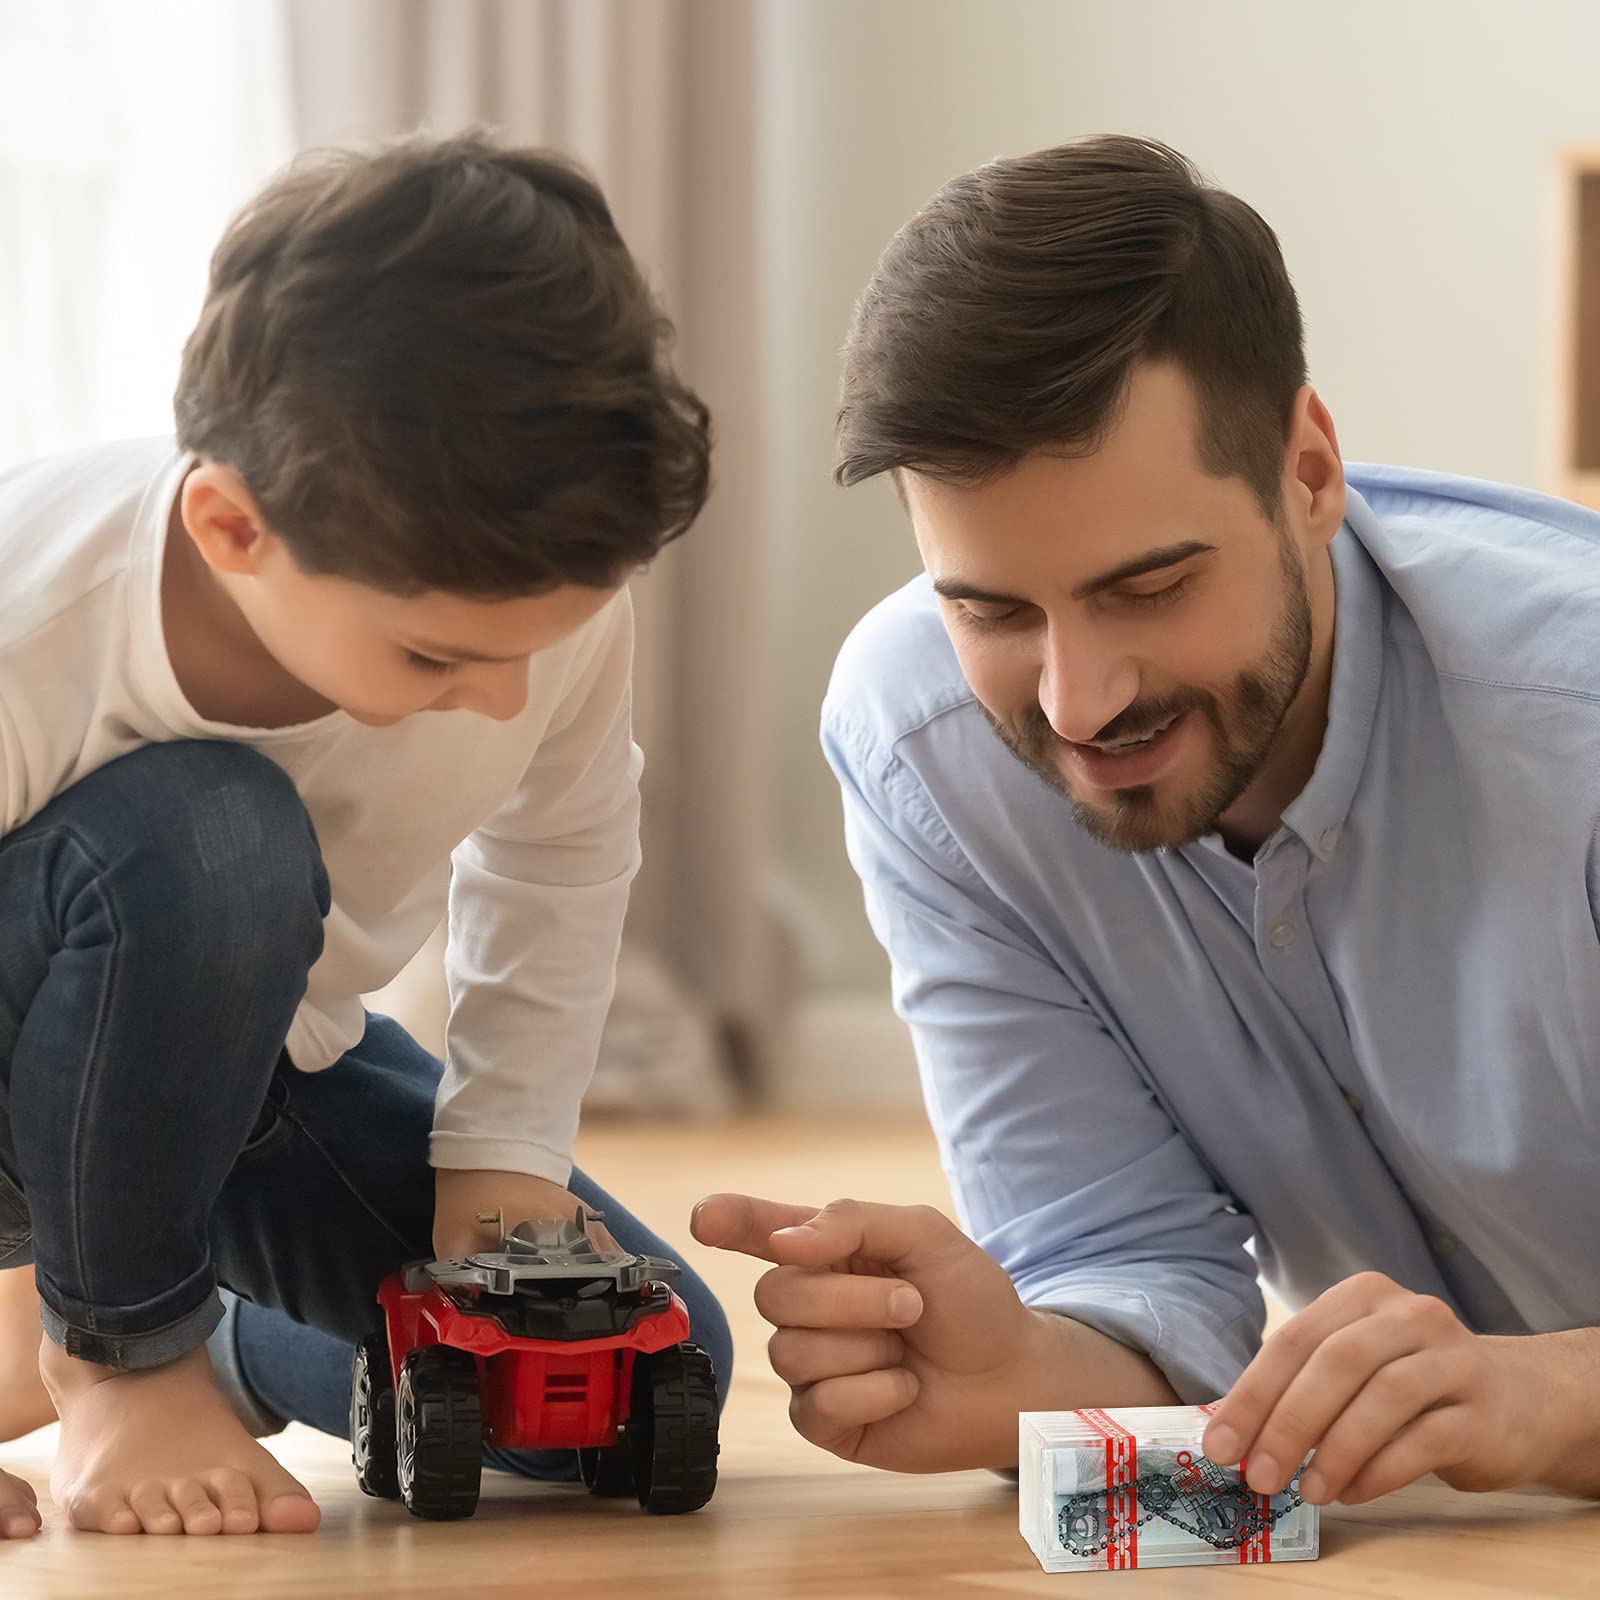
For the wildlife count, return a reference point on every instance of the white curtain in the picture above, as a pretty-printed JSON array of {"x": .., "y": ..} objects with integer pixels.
[
  {"x": 129, "y": 133},
  {"x": 656, "y": 97}
]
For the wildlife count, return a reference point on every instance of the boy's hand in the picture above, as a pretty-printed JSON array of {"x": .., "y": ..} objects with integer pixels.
[
  {"x": 461, "y": 1194},
  {"x": 904, "y": 1344}
]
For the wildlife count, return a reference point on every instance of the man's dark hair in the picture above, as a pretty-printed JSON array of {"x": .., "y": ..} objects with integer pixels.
[
  {"x": 437, "y": 367},
  {"x": 1008, "y": 315}
]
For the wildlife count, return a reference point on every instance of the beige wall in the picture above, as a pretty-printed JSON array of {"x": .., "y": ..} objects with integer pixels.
[{"x": 1399, "y": 147}]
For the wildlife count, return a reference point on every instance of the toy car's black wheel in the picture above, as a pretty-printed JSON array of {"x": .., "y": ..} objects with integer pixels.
[
  {"x": 608, "y": 1472},
  {"x": 373, "y": 1447},
  {"x": 672, "y": 1429},
  {"x": 439, "y": 1423}
]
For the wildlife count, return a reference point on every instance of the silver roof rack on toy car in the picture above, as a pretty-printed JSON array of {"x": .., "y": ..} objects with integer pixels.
[{"x": 551, "y": 1250}]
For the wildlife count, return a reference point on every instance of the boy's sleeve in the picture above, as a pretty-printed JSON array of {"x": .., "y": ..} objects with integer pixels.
[
  {"x": 13, "y": 797},
  {"x": 1063, "y": 1165},
  {"x": 537, "y": 898}
]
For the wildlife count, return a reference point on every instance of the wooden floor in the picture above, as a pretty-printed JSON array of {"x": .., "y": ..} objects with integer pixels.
[{"x": 787, "y": 1520}]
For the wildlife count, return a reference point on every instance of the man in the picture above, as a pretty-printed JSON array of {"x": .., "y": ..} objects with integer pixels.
[{"x": 1296, "y": 940}]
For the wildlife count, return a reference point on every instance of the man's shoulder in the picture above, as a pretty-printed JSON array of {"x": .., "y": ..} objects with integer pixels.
[
  {"x": 895, "y": 673},
  {"x": 1499, "y": 585}
]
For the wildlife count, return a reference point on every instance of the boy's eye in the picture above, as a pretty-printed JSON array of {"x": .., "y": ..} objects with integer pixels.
[{"x": 429, "y": 664}]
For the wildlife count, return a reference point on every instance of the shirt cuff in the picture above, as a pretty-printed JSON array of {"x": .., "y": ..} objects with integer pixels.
[
  {"x": 477, "y": 1152},
  {"x": 1200, "y": 1361}
]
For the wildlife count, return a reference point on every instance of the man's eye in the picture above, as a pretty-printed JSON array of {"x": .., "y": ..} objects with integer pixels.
[
  {"x": 989, "y": 616},
  {"x": 428, "y": 663},
  {"x": 1159, "y": 597}
]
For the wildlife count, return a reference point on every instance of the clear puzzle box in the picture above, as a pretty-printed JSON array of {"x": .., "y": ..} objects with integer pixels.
[{"x": 1115, "y": 1489}]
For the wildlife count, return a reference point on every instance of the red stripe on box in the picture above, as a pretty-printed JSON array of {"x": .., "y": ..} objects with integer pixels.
[
  {"x": 1259, "y": 1546},
  {"x": 1122, "y": 1467}
]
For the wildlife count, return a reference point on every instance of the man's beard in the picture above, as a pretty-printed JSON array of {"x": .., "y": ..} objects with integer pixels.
[{"x": 1244, "y": 727}]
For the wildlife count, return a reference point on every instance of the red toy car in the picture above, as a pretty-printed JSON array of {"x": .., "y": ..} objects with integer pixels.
[{"x": 544, "y": 1343}]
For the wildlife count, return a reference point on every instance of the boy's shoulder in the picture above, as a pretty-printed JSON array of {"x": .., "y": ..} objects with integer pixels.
[{"x": 67, "y": 526}]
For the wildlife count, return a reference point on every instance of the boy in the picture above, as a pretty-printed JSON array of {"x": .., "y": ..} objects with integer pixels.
[{"x": 426, "y": 431}]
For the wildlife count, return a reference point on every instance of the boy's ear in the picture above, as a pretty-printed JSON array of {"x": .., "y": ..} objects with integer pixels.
[{"x": 222, "y": 518}]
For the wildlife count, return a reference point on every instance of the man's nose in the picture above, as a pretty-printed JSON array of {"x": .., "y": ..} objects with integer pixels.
[{"x": 1084, "y": 681}]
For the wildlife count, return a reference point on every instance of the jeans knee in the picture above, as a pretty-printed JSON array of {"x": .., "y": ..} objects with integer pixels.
[
  {"x": 211, "y": 835},
  {"x": 708, "y": 1328}
]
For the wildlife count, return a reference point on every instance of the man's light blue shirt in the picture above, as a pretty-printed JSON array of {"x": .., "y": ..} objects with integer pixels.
[{"x": 1377, "y": 1046}]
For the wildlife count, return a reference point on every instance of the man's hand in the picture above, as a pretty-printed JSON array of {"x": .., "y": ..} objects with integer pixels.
[
  {"x": 904, "y": 1345},
  {"x": 461, "y": 1195},
  {"x": 1386, "y": 1386}
]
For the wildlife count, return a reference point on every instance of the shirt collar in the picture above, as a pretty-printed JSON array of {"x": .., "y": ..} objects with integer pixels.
[{"x": 1317, "y": 814}]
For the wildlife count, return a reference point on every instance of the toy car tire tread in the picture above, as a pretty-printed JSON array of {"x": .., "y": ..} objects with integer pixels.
[
  {"x": 374, "y": 1451},
  {"x": 440, "y": 1429},
  {"x": 672, "y": 1429}
]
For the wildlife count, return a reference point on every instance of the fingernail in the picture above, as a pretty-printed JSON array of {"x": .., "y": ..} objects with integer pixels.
[
  {"x": 19, "y": 1525},
  {"x": 1263, "y": 1475},
  {"x": 1222, "y": 1445},
  {"x": 1313, "y": 1487},
  {"x": 905, "y": 1304}
]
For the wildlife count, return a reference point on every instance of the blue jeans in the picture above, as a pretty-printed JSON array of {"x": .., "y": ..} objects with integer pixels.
[{"x": 157, "y": 924}]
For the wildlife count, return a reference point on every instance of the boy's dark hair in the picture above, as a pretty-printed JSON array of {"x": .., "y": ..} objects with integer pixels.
[
  {"x": 437, "y": 367},
  {"x": 1007, "y": 317}
]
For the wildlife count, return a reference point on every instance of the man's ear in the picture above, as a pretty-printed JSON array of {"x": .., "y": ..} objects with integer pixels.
[
  {"x": 1315, "y": 469},
  {"x": 222, "y": 518}
]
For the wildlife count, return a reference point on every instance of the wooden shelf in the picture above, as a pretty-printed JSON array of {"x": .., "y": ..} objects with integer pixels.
[
  {"x": 1584, "y": 487},
  {"x": 1575, "y": 468}
]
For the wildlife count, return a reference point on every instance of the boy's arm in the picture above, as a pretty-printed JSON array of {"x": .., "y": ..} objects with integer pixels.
[{"x": 537, "y": 899}]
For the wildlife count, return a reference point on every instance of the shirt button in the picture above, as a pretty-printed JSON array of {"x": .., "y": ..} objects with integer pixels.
[
  {"x": 1282, "y": 935},
  {"x": 1354, "y": 1101},
  {"x": 1330, "y": 837},
  {"x": 1443, "y": 1243}
]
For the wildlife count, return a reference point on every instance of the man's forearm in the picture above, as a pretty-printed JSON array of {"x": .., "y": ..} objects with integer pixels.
[
  {"x": 1080, "y": 1366},
  {"x": 1069, "y": 1365},
  {"x": 1564, "y": 1404}
]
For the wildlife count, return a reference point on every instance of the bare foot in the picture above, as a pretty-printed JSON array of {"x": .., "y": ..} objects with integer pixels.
[
  {"x": 159, "y": 1451},
  {"x": 24, "y": 1400},
  {"x": 19, "y": 1508}
]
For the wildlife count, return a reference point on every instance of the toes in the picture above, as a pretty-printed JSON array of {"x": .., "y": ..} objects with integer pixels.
[
  {"x": 19, "y": 1508},
  {"x": 103, "y": 1512},
  {"x": 235, "y": 1495},
  {"x": 195, "y": 1506},
  {"x": 294, "y": 1512},
  {"x": 154, "y": 1508}
]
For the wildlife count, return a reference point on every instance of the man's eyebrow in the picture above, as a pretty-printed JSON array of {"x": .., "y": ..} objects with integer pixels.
[
  {"x": 955, "y": 589},
  {"x": 450, "y": 652},
  {"x": 1135, "y": 567}
]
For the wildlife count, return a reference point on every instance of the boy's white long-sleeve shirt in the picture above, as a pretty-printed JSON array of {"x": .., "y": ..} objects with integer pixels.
[{"x": 539, "y": 816}]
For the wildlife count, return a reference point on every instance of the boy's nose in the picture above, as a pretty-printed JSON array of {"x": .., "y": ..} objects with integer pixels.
[{"x": 503, "y": 692}]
